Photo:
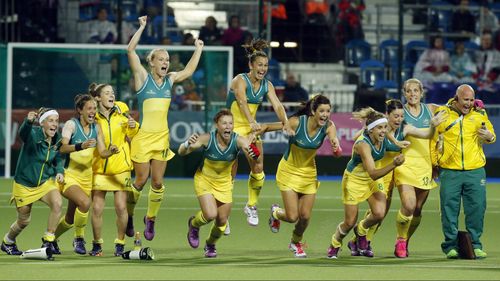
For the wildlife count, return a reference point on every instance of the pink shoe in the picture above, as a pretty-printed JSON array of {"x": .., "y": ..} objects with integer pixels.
[{"x": 400, "y": 248}]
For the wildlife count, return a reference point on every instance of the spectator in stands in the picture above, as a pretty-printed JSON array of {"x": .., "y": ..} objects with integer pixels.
[
  {"x": 294, "y": 92},
  {"x": 233, "y": 35},
  {"x": 210, "y": 33},
  {"x": 101, "y": 30},
  {"x": 188, "y": 39},
  {"x": 489, "y": 22},
  {"x": 350, "y": 17},
  {"x": 487, "y": 62},
  {"x": 462, "y": 68},
  {"x": 462, "y": 21},
  {"x": 433, "y": 64}
]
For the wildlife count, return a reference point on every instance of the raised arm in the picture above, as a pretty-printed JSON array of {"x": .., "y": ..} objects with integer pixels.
[
  {"x": 26, "y": 126},
  {"x": 279, "y": 109},
  {"x": 437, "y": 119},
  {"x": 192, "y": 143},
  {"x": 239, "y": 87},
  {"x": 139, "y": 72},
  {"x": 191, "y": 65},
  {"x": 364, "y": 151}
]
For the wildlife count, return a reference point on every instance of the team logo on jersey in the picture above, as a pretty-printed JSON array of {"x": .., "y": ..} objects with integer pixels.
[
  {"x": 426, "y": 122},
  {"x": 151, "y": 92}
]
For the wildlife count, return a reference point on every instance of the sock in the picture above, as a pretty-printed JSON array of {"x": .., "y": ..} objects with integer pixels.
[
  {"x": 119, "y": 241},
  {"x": 14, "y": 231},
  {"x": 362, "y": 231},
  {"x": 80, "y": 222},
  {"x": 100, "y": 241},
  {"x": 279, "y": 214},
  {"x": 255, "y": 183},
  {"x": 133, "y": 197},
  {"x": 48, "y": 236},
  {"x": 199, "y": 220},
  {"x": 296, "y": 238},
  {"x": 7, "y": 240},
  {"x": 403, "y": 224},
  {"x": 154, "y": 201},
  {"x": 62, "y": 227},
  {"x": 415, "y": 222},
  {"x": 371, "y": 231},
  {"x": 338, "y": 236},
  {"x": 215, "y": 233}
]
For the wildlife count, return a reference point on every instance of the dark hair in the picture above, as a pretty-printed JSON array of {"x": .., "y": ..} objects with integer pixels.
[
  {"x": 95, "y": 89},
  {"x": 81, "y": 100},
  {"x": 309, "y": 107},
  {"x": 221, "y": 113},
  {"x": 392, "y": 104},
  {"x": 256, "y": 49},
  {"x": 368, "y": 115},
  {"x": 42, "y": 110}
]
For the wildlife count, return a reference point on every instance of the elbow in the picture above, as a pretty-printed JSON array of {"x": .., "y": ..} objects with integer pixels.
[{"x": 374, "y": 176}]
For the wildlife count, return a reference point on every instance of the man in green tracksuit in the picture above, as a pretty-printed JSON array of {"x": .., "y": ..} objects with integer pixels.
[{"x": 461, "y": 162}]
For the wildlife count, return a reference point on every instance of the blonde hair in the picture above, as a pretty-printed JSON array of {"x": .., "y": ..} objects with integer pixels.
[
  {"x": 151, "y": 56},
  {"x": 367, "y": 115},
  {"x": 415, "y": 81}
]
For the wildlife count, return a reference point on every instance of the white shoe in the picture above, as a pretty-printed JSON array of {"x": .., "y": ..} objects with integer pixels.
[
  {"x": 227, "y": 231},
  {"x": 252, "y": 216},
  {"x": 297, "y": 249}
]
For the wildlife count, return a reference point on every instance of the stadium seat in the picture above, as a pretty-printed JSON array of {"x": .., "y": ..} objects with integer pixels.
[
  {"x": 388, "y": 51},
  {"x": 440, "y": 16},
  {"x": 356, "y": 51},
  {"x": 406, "y": 72},
  {"x": 129, "y": 11},
  {"x": 414, "y": 49},
  {"x": 371, "y": 71}
]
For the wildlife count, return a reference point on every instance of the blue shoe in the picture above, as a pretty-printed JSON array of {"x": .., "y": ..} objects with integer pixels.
[
  {"x": 193, "y": 234},
  {"x": 53, "y": 247},
  {"x": 96, "y": 250},
  {"x": 149, "y": 231},
  {"x": 11, "y": 249},
  {"x": 119, "y": 249},
  {"x": 79, "y": 246},
  {"x": 354, "y": 248},
  {"x": 130, "y": 232}
]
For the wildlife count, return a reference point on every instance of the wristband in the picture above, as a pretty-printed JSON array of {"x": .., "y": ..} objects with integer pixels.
[
  {"x": 78, "y": 146},
  {"x": 186, "y": 144}
]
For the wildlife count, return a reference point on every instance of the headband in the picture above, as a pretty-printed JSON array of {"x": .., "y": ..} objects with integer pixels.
[
  {"x": 47, "y": 114},
  {"x": 375, "y": 123}
]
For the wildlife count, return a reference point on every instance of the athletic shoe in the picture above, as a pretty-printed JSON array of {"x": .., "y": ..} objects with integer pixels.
[
  {"x": 354, "y": 248},
  {"x": 210, "y": 251},
  {"x": 252, "y": 216},
  {"x": 55, "y": 248},
  {"x": 11, "y": 249},
  {"x": 400, "y": 248},
  {"x": 96, "y": 249},
  {"x": 368, "y": 252},
  {"x": 361, "y": 241},
  {"x": 130, "y": 232},
  {"x": 193, "y": 234},
  {"x": 274, "y": 224},
  {"x": 452, "y": 254},
  {"x": 79, "y": 246},
  {"x": 480, "y": 254},
  {"x": 297, "y": 249},
  {"x": 149, "y": 231},
  {"x": 332, "y": 252},
  {"x": 51, "y": 246},
  {"x": 227, "y": 231},
  {"x": 119, "y": 249}
]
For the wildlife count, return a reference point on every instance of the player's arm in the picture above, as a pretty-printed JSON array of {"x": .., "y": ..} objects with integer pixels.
[
  {"x": 250, "y": 150},
  {"x": 101, "y": 145},
  {"x": 488, "y": 134},
  {"x": 191, "y": 65},
  {"x": 331, "y": 132},
  {"x": 428, "y": 133},
  {"x": 279, "y": 109},
  {"x": 193, "y": 143},
  {"x": 365, "y": 152},
  {"x": 139, "y": 72},
  {"x": 27, "y": 126},
  {"x": 239, "y": 87},
  {"x": 67, "y": 131}
]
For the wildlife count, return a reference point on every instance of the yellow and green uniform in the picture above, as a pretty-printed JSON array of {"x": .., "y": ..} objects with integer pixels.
[
  {"x": 214, "y": 174},
  {"x": 392, "y": 151},
  {"x": 462, "y": 174},
  {"x": 417, "y": 169},
  {"x": 297, "y": 168},
  {"x": 38, "y": 161},
  {"x": 78, "y": 170},
  {"x": 254, "y": 99},
  {"x": 113, "y": 173},
  {"x": 152, "y": 140},
  {"x": 357, "y": 185}
]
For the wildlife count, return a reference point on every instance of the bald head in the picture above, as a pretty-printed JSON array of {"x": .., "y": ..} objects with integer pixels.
[{"x": 464, "y": 98}]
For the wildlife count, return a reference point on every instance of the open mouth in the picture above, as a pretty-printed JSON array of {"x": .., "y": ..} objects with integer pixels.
[
  {"x": 91, "y": 117},
  {"x": 226, "y": 134}
]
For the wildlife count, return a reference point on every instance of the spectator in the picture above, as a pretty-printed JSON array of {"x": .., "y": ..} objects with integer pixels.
[
  {"x": 487, "y": 62},
  {"x": 294, "y": 91},
  {"x": 461, "y": 163},
  {"x": 350, "y": 17},
  {"x": 489, "y": 22},
  {"x": 462, "y": 21},
  {"x": 210, "y": 33},
  {"x": 233, "y": 35},
  {"x": 188, "y": 39},
  {"x": 462, "y": 67},
  {"x": 433, "y": 64},
  {"x": 101, "y": 30}
]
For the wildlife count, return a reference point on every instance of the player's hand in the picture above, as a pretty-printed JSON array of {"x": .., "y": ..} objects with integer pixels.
[
  {"x": 485, "y": 134},
  {"x": 31, "y": 116},
  {"x": 478, "y": 104},
  {"x": 193, "y": 139},
  {"x": 399, "y": 159},
  {"x": 253, "y": 151},
  {"x": 403, "y": 144},
  {"x": 143, "y": 21},
  {"x": 131, "y": 122},
  {"x": 60, "y": 178},
  {"x": 198, "y": 43},
  {"x": 287, "y": 130},
  {"x": 114, "y": 149},
  {"x": 255, "y": 126},
  {"x": 439, "y": 118},
  {"x": 89, "y": 143}
]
